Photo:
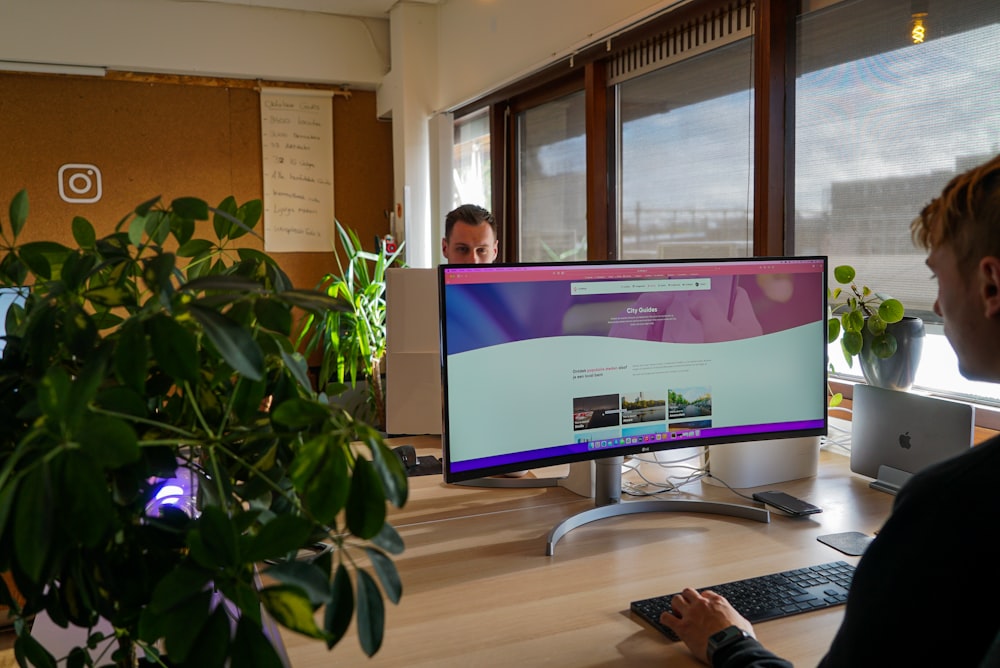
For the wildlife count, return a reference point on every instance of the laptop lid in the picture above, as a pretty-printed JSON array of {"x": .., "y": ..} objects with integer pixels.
[{"x": 901, "y": 433}]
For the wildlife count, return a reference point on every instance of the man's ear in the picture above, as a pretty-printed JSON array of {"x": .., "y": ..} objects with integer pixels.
[
  {"x": 989, "y": 276},
  {"x": 444, "y": 248}
]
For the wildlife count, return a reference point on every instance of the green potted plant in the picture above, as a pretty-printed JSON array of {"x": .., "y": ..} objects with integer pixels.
[
  {"x": 873, "y": 327},
  {"x": 130, "y": 365},
  {"x": 352, "y": 341}
]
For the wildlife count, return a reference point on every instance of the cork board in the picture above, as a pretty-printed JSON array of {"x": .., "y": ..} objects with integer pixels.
[{"x": 148, "y": 137}]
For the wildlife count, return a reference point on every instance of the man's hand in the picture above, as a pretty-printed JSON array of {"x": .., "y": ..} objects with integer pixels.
[{"x": 696, "y": 616}]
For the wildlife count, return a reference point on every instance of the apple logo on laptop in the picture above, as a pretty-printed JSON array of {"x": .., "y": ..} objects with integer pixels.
[{"x": 904, "y": 440}]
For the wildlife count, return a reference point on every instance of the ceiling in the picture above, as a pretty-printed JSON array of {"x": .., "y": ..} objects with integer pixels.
[{"x": 367, "y": 8}]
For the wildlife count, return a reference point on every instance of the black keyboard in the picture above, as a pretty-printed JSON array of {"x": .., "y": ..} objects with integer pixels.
[{"x": 768, "y": 596}]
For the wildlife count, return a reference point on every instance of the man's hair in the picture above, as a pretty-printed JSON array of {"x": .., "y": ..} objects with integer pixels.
[
  {"x": 966, "y": 216},
  {"x": 470, "y": 214}
]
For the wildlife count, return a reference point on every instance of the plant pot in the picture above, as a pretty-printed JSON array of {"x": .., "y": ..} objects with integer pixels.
[{"x": 899, "y": 371}]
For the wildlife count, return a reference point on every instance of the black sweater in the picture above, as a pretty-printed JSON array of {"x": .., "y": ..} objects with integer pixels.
[{"x": 927, "y": 590}]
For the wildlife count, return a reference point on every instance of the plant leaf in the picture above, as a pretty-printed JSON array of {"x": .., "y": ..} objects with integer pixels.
[
  {"x": 297, "y": 413},
  {"x": 832, "y": 329},
  {"x": 291, "y": 608},
  {"x": 307, "y": 576},
  {"x": 844, "y": 274},
  {"x": 365, "y": 501},
  {"x": 18, "y": 212},
  {"x": 389, "y": 539},
  {"x": 315, "y": 301},
  {"x": 297, "y": 365},
  {"x": 30, "y": 652},
  {"x": 319, "y": 473},
  {"x": 174, "y": 348},
  {"x": 884, "y": 345},
  {"x": 371, "y": 614},
  {"x": 233, "y": 341},
  {"x": 194, "y": 248},
  {"x": 33, "y": 521},
  {"x": 211, "y": 646},
  {"x": 146, "y": 206},
  {"x": 109, "y": 441},
  {"x": 853, "y": 321},
  {"x": 852, "y": 342},
  {"x": 391, "y": 472},
  {"x": 891, "y": 310},
  {"x": 223, "y": 282},
  {"x": 283, "y": 534},
  {"x": 251, "y": 648},
  {"x": 273, "y": 315},
  {"x": 214, "y": 542},
  {"x": 340, "y": 607},
  {"x": 387, "y": 574},
  {"x": 190, "y": 207},
  {"x": 83, "y": 232},
  {"x": 182, "y": 627},
  {"x": 176, "y": 587},
  {"x": 131, "y": 356}
]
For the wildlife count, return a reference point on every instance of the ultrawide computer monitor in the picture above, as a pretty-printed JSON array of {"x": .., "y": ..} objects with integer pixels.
[{"x": 545, "y": 364}]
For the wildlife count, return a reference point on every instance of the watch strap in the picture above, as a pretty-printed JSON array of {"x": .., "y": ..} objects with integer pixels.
[{"x": 723, "y": 638}]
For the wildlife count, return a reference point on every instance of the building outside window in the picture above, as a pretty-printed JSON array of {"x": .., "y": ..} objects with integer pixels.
[
  {"x": 551, "y": 167},
  {"x": 881, "y": 125},
  {"x": 685, "y": 157}
]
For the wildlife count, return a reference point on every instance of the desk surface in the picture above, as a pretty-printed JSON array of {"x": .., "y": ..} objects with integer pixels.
[{"x": 479, "y": 590}]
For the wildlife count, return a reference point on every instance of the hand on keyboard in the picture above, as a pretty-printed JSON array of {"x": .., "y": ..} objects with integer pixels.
[
  {"x": 694, "y": 616},
  {"x": 756, "y": 599}
]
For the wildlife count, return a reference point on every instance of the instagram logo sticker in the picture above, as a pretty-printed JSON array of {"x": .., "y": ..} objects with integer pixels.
[{"x": 80, "y": 183}]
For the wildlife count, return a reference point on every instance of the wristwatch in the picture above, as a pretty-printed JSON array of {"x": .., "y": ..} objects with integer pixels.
[{"x": 724, "y": 638}]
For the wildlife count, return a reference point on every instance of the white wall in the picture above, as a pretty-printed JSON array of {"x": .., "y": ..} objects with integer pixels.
[
  {"x": 487, "y": 43},
  {"x": 197, "y": 39}
]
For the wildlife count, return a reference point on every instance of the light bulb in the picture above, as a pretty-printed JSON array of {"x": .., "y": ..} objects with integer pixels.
[{"x": 918, "y": 32}]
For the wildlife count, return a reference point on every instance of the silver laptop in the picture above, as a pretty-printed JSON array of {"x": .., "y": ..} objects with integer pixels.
[{"x": 896, "y": 434}]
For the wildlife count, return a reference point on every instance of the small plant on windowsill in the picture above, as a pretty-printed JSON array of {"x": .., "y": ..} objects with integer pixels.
[{"x": 856, "y": 313}]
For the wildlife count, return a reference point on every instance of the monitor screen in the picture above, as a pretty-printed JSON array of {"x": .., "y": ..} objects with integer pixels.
[{"x": 545, "y": 364}]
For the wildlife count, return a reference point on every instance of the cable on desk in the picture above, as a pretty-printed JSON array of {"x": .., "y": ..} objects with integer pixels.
[
  {"x": 837, "y": 438},
  {"x": 672, "y": 483}
]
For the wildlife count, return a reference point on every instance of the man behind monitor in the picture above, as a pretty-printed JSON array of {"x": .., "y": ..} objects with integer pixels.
[
  {"x": 913, "y": 600},
  {"x": 470, "y": 236}
]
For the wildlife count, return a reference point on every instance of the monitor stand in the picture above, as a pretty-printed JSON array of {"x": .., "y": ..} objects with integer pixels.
[
  {"x": 607, "y": 491},
  {"x": 890, "y": 480}
]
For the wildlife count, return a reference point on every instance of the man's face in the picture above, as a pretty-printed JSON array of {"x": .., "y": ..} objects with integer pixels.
[
  {"x": 960, "y": 305},
  {"x": 470, "y": 244}
]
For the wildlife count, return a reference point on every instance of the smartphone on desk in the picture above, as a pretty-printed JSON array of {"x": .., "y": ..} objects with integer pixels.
[{"x": 786, "y": 503}]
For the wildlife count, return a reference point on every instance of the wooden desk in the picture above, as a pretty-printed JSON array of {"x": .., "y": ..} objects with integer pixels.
[{"x": 479, "y": 590}]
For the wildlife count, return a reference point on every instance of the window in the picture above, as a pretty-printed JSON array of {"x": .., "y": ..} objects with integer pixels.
[
  {"x": 552, "y": 162},
  {"x": 471, "y": 167},
  {"x": 882, "y": 124},
  {"x": 685, "y": 158}
]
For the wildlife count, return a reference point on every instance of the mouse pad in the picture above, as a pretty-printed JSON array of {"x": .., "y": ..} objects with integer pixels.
[{"x": 853, "y": 543}]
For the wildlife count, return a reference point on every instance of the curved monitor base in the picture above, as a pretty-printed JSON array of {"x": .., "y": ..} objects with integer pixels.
[{"x": 607, "y": 497}]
